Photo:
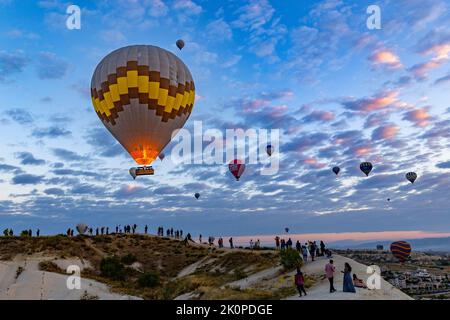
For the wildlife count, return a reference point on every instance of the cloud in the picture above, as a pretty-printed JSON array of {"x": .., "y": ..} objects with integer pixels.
[
  {"x": 105, "y": 145},
  {"x": 8, "y": 168},
  {"x": 420, "y": 117},
  {"x": 378, "y": 102},
  {"x": 318, "y": 116},
  {"x": 443, "y": 79},
  {"x": 157, "y": 8},
  {"x": 21, "y": 116},
  {"x": 54, "y": 191},
  {"x": 12, "y": 63},
  {"x": 113, "y": 36},
  {"x": 385, "y": 58},
  {"x": 231, "y": 62},
  {"x": 443, "y": 165},
  {"x": 187, "y": 7},
  {"x": 67, "y": 155},
  {"x": 219, "y": 30},
  {"x": 28, "y": 158},
  {"x": 385, "y": 132},
  {"x": 25, "y": 178},
  {"x": 21, "y": 34},
  {"x": 49, "y": 66},
  {"x": 71, "y": 172},
  {"x": 51, "y": 132}
]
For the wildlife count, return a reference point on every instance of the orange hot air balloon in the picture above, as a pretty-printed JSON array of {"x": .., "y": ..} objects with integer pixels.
[{"x": 142, "y": 93}]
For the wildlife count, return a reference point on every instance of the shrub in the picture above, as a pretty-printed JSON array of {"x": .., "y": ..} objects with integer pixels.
[
  {"x": 148, "y": 280},
  {"x": 290, "y": 258},
  {"x": 112, "y": 268},
  {"x": 128, "y": 259}
]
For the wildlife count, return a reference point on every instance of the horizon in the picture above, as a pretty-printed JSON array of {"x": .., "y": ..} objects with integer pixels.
[{"x": 338, "y": 92}]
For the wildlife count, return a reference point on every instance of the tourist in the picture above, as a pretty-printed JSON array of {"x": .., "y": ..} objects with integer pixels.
[
  {"x": 329, "y": 273},
  {"x": 359, "y": 283},
  {"x": 305, "y": 253},
  {"x": 322, "y": 248},
  {"x": 231, "y": 243},
  {"x": 348, "y": 282},
  {"x": 277, "y": 242},
  {"x": 300, "y": 282}
]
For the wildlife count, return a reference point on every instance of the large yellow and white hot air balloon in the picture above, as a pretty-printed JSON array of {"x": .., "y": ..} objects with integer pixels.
[{"x": 142, "y": 94}]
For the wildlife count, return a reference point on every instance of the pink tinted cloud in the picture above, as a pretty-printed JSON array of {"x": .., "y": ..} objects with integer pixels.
[
  {"x": 381, "y": 101},
  {"x": 420, "y": 117},
  {"x": 318, "y": 115},
  {"x": 385, "y": 132},
  {"x": 385, "y": 58},
  {"x": 313, "y": 162}
]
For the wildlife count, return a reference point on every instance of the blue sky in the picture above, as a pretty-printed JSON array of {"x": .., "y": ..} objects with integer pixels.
[{"x": 340, "y": 93}]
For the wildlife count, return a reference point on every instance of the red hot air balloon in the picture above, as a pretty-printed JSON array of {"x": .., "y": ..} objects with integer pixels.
[
  {"x": 401, "y": 250},
  {"x": 236, "y": 168}
]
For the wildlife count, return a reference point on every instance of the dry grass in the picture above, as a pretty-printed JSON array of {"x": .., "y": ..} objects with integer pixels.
[{"x": 164, "y": 256}]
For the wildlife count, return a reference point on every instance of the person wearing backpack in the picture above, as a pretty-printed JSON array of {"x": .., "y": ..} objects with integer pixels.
[{"x": 300, "y": 282}]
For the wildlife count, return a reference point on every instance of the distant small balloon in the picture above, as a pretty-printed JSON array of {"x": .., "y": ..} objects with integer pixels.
[
  {"x": 269, "y": 150},
  {"x": 336, "y": 170},
  {"x": 161, "y": 156},
  {"x": 366, "y": 167},
  {"x": 411, "y": 176},
  {"x": 180, "y": 44},
  {"x": 236, "y": 168},
  {"x": 286, "y": 229},
  {"x": 197, "y": 195},
  {"x": 388, "y": 199}
]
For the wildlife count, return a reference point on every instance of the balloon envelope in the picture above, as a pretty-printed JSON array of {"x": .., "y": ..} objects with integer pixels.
[
  {"x": 411, "y": 176},
  {"x": 269, "y": 150},
  {"x": 401, "y": 250},
  {"x": 197, "y": 195},
  {"x": 336, "y": 170},
  {"x": 142, "y": 93},
  {"x": 366, "y": 167},
  {"x": 236, "y": 168},
  {"x": 161, "y": 156},
  {"x": 180, "y": 44},
  {"x": 81, "y": 228},
  {"x": 286, "y": 229}
]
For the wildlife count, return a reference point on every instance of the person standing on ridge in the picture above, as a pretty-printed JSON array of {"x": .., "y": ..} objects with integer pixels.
[
  {"x": 329, "y": 273},
  {"x": 348, "y": 281},
  {"x": 300, "y": 282},
  {"x": 277, "y": 242}
]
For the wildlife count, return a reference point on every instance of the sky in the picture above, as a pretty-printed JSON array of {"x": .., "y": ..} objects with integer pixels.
[{"x": 339, "y": 92}]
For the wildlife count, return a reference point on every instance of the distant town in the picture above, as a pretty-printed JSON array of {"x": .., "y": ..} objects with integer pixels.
[{"x": 424, "y": 276}]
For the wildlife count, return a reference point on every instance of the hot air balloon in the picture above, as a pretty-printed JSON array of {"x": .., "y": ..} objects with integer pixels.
[
  {"x": 81, "y": 228},
  {"x": 142, "y": 94},
  {"x": 286, "y": 229},
  {"x": 336, "y": 170},
  {"x": 411, "y": 176},
  {"x": 389, "y": 199},
  {"x": 269, "y": 150},
  {"x": 401, "y": 250},
  {"x": 366, "y": 167},
  {"x": 161, "y": 156},
  {"x": 197, "y": 195},
  {"x": 236, "y": 168},
  {"x": 180, "y": 44}
]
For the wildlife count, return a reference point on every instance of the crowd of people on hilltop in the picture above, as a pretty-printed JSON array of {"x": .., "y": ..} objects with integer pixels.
[{"x": 309, "y": 251}]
